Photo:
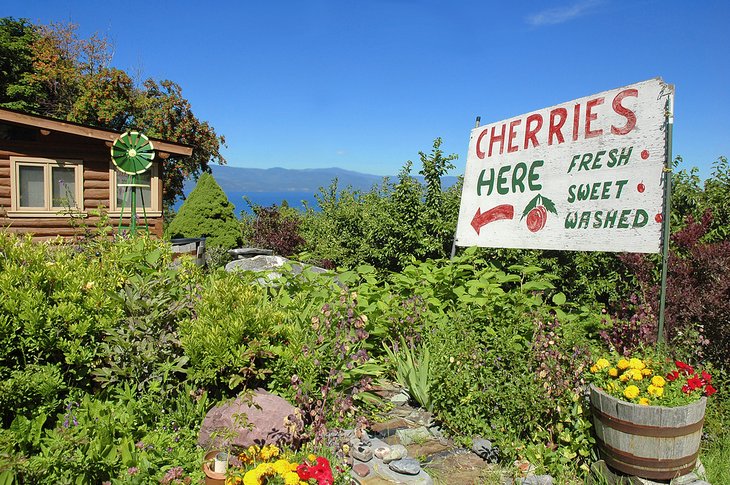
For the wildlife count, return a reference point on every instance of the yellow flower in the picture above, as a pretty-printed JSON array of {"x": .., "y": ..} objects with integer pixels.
[
  {"x": 635, "y": 363},
  {"x": 602, "y": 364},
  {"x": 624, "y": 377},
  {"x": 282, "y": 466},
  {"x": 252, "y": 477},
  {"x": 631, "y": 392},
  {"x": 291, "y": 478},
  {"x": 636, "y": 374},
  {"x": 613, "y": 372},
  {"x": 658, "y": 381},
  {"x": 643, "y": 401},
  {"x": 312, "y": 458},
  {"x": 594, "y": 369},
  {"x": 623, "y": 364},
  {"x": 655, "y": 390},
  {"x": 646, "y": 371}
]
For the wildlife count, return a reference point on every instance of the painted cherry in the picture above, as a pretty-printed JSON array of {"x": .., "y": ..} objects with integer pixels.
[
  {"x": 641, "y": 187},
  {"x": 536, "y": 218},
  {"x": 658, "y": 218},
  {"x": 644, "y": 154}
]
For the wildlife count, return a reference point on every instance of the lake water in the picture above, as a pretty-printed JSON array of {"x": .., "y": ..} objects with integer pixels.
[{"x": 266, "y": 199}]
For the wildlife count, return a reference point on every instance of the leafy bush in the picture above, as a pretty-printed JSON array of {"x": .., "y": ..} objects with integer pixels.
[
  {"x": 390, "y": 224},
  {"x": 275, "y": 228},
  {"x": 697, "y": 308},
  {"x": 207, "y": 213},
  {"x": 228, "y": 339},
  {"x": 324, "y": 362}
]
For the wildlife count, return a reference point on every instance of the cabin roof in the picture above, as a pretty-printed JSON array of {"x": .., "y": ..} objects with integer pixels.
[{"x": 51, "y": 124}]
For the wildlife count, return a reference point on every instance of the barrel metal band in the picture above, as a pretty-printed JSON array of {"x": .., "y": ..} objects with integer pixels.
[
  {"x": 652, "y": 468},
  {"x": 645, "y": 430}
]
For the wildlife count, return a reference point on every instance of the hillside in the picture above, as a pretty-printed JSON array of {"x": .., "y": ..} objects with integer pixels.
[{"x": 240, "y": 179}]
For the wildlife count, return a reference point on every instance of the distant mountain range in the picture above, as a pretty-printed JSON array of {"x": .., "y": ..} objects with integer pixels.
[{"x": 240, "y": 179}]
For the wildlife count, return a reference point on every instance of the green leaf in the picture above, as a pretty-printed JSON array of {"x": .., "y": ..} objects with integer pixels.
[
  {"x": 537, "y": 285},
  {"x": 549, "y": 205},
  {"x": 531, "y": 205},
  {"x": 559, "y": 298}
]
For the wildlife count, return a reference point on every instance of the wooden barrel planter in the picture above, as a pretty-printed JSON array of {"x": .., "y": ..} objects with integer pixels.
[
  {"x": 654, "y": 442},
  {"x": 192, "y": 246}
]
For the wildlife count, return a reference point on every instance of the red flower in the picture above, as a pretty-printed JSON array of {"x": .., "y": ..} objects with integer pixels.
[
  {"x": 709, "y": 390},
  {"x": 672, "y": 375},
  {"x": 304, "y": 472},
  {"x": 686, "y": 368},
  {"x": 320, "y": 472},
  {"x": 686, "y": 389},
  {"x": 706, "y": 377},
  {"x": 694, "y": 382}
]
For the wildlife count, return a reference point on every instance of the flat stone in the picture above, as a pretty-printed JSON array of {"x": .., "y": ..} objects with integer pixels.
[
  {"x": 381, "y": 451},
  {"x": 413, "y": 435},
  {"x": 462, "y": 466},
  {"x": 400, "y": 398},
  {"x": 405, "y": 466},
  {"x": 249, "y": 252},
  {"x": 387, "y": 428},
  {"x": 429, "y": 448},
  {"x": 396, "y": 453},
  {"x": 381, "y": 474},
  {"x": 537, "y": 480},
  {"x": 361, "y": 469}
]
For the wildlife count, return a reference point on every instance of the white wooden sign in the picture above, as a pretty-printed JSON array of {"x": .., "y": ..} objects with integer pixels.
[{"x": 583, "y": 175}]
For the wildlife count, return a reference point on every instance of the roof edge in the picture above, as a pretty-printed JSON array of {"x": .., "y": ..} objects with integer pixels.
[{"x": 45, "y": 122}]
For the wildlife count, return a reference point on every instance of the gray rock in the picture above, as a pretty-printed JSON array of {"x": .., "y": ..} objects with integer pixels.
[
  {"x": 396, "y": 453},
  {"x": 537, "y": 480},
  {"x": 268, "y": 420},
  {"x": 400, "y": 398},
  {"x": 381, "y": 451},
  {"x": 413, "y": 435},
  {"x": 249, "y": 252},
  {"x": 406, "y": 466},
  {"x": 485, "y": 450},
  {"x": 362, "y": 452},
  {"x": 257, "y": 263}
]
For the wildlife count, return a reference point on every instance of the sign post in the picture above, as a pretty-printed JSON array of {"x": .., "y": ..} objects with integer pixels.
[{"x": 667, "y": 208}]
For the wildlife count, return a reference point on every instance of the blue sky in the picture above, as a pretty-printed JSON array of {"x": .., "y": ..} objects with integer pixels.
[{"x": 365, "y": 85}]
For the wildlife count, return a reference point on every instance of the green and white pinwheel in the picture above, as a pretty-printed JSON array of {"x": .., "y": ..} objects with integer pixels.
[{"x": 133, "y": 152}]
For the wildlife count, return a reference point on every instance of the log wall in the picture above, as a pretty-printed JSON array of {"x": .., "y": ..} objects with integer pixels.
[{"x": 95, "y": 155}]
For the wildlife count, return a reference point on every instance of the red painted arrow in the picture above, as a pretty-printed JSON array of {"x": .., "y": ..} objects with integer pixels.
[{"x": 504, "y": 211}]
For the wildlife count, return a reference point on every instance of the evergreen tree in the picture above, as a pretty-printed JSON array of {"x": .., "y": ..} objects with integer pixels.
[{"x": 208, "y": 213}]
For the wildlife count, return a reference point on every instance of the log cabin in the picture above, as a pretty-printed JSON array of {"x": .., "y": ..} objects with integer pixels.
[{"x": 53, "y": 171}]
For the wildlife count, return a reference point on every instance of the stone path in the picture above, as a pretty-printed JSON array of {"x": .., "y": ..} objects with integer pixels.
[
  {"x": 445, "y": 463},
  {"x": 441, "y": 460}
]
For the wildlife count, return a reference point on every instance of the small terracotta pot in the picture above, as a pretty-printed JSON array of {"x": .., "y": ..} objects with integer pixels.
[{"x": 211, "y": 477}]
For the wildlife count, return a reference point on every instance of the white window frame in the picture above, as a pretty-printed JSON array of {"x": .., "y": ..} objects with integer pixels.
[
  {"x": 48, "y": 210},
  {"x": 154, "y": 209}
]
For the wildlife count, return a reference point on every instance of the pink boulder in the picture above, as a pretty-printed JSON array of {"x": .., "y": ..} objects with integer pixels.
[{"x": 258, "y": 420}]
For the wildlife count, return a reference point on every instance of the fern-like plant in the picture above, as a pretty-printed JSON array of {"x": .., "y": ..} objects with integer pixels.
[{"x": 412, "y": 368}]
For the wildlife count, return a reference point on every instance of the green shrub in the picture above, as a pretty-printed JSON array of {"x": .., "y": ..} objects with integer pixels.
[
  {"x": 207, "y": 213},
  {"x": 229, "y": 338}
]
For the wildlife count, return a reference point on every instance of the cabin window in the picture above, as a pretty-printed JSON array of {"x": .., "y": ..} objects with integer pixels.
[
  {"x": 149, "y": 194},
  {"x": 43, "y": 185}
]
